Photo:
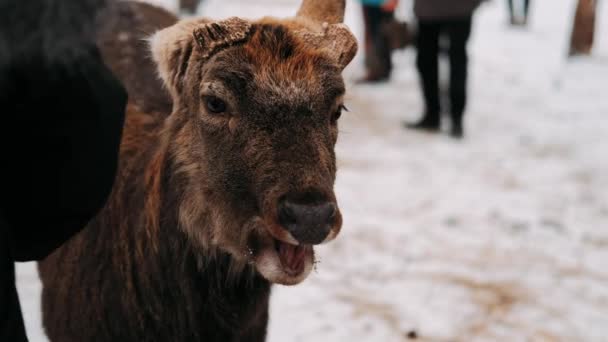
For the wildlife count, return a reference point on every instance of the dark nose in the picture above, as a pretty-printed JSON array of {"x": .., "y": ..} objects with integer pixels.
[{"x": 309, "y": 223}]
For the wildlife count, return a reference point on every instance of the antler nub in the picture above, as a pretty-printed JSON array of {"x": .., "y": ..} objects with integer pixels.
[
  {"x": 213, "y": 36},
  {"x": 330, "y": 11}
]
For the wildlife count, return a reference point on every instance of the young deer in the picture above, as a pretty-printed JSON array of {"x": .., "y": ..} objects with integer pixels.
[{"x": 222, "y": 197}]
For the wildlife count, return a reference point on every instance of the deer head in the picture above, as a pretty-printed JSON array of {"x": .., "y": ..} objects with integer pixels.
[{"x": 253, "y": 130}]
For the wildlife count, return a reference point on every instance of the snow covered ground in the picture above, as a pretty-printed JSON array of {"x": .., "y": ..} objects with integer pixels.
[{"x": 500, "y": 237}]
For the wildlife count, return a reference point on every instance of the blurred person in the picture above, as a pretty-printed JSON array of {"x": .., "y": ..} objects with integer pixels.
[
  {"x": 519, "y": 17},
  {"x": 377, "y": 14},
  {"x": 449, "y": 19},
  {"x": 189, "y": 6},
  {"x": 62, "y": 117}
]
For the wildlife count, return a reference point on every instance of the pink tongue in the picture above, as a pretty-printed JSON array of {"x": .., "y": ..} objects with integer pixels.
[{"x": 292, "y": 257}]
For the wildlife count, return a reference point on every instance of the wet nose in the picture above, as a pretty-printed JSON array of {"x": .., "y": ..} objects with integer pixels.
[{"x": 309, "y": 223}]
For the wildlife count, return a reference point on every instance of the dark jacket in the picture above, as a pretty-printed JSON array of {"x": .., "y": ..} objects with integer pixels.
[
  {"x": 444, "y": 9},
  {"x": 61, "y": 116}
]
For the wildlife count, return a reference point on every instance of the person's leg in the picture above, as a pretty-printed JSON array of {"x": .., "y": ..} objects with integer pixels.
[
  {"x": 526, "y": 10},
  {"x": 428, "y": 68},
  {"x": 511, "y": 12},
  {"x": 383, "y": 44},
  {"x": 458, "y": 32},
  {"x": 373, "y": 59},
  {"x": 368, "y": 44}
]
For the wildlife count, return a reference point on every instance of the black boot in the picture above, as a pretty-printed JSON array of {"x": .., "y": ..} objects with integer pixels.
[
  {"x": 457, "y": 132},
  {"x": 428, "y": 123}
]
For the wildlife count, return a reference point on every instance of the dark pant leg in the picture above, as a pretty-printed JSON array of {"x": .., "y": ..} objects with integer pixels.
[
  {"x": 526, "y": 8},
  {"x": 511, "y": 11},
  {"x": 377, "y": 50},
  {"x": 458, "y": 32},
  {"x": 428, "y": 66},
  {"x": 383, "y": 45},
  {"x": 368, "y": 36}
]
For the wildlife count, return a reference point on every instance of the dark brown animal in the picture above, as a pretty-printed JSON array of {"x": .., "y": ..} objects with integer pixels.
[
  {"x": 221, "y": 198},
  {"x": 124, "y": 27}
]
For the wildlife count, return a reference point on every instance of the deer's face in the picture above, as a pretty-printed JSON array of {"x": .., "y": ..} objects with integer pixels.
[{"x": 258, "y": 142}]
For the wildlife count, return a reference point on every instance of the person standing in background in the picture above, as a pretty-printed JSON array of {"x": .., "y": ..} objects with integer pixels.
[
  {"x": 378, "y": 62},
  {"x": 520, "y": 17},
  {"x": 450, "y": 19}
]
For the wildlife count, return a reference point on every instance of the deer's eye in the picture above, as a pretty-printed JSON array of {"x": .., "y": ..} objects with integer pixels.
[
  {"x": 338, "y": 113},
  {"x": 215, "y": 105}
]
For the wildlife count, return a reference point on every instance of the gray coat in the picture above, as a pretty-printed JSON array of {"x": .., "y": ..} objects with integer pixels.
[{"x": 444, "y": 9}]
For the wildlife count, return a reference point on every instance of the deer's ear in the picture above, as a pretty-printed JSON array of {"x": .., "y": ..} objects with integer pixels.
[
  {"x": 336, "y": 40},
  {"x": 174, "y": 48},
  {"x": 341, "y": 44}
]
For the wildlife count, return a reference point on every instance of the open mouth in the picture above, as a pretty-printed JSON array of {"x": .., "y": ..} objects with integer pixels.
[
  {"x": 293, "y": 257},
  {"x": 283, "y": 262}
]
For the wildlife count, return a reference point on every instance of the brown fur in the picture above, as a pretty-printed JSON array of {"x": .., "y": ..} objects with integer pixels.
[
  {"x": 180, "y": 251},
  {"x": 125, "y": 25}
]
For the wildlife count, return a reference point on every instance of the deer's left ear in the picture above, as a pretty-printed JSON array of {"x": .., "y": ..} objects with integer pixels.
[
  {"x": 174, "y": 47},
  {"x": 336, "y": 40},
  {"x": 341, "y": 44}
]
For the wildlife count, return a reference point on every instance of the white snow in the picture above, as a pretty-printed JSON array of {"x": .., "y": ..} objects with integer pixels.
[{"x": 500, "y": 237}]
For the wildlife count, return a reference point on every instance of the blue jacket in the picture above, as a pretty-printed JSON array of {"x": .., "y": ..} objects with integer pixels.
[{"x": 373, "y": 2}]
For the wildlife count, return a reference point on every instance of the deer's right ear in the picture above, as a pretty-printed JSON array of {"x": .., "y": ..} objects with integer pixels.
[{"x": 174, "y": 47}]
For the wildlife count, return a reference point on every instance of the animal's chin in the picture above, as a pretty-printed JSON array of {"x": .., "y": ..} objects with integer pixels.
[{"x": 282, "y": 262}]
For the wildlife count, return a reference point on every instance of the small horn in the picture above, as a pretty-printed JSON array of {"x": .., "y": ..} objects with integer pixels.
[{"x": 330, "y": 11}]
